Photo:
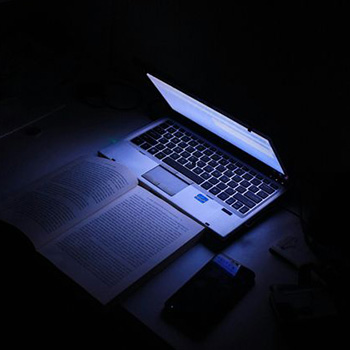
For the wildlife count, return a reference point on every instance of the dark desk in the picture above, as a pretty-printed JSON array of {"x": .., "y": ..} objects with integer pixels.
[
  {"x": 78, "y": 130},
  {"x": 251, "y": 324}
]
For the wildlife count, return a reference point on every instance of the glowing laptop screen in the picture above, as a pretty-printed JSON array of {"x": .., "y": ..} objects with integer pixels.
[{"x": 222, "y": 126}]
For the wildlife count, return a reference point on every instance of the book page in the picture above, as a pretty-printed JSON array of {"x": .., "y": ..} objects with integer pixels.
[
  {"x": 61, "y": 199},
  {"x": 118, "y": 245}
]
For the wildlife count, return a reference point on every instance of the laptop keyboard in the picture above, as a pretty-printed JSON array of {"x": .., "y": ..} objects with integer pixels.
[{"x": 237, "y": 185}]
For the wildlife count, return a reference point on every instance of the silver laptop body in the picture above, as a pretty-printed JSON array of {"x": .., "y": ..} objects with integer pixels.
[{"x": 210, "y": 166}]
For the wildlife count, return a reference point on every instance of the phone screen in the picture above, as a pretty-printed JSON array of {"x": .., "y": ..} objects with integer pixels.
[{"x": 209, "y": 294}]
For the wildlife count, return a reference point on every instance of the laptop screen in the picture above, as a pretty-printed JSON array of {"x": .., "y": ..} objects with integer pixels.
[{"x": 222, "y": 126}]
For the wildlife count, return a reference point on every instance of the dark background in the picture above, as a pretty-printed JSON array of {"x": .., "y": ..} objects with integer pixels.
[{"x": 283, "y": 69}]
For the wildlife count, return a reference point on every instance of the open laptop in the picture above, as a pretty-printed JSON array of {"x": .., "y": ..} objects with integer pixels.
[{"x": 207, "y": 164}]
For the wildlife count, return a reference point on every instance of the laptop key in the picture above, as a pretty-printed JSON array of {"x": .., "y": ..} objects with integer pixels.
[
  {"x": 253, "y": 188},
  {"x": 229, "y": 173},
  {"x": 230, "y": 201},
  {"x": 247, "y": 176},
  {"x": 221, "y": 168},
  {"x": 175, "y": 140},
  {"x": 247, "y": 202},
  {"x": 265, "y": 188},
  {"x": 175, "y": 156},
  {"x": 237, "y": 178},
  {"x": 159, "y": 130},
  {"x": 253, "y": 197},
  {"x": 223, "y": 161},
  {"x": 206, "y": 185},
  {"x": 216, "y": 173},
  {"x": 256, "y": 182},
  {"x": 190, "y": 149},
  {"x": 230, "y": 191},
  {"x": 146, "y": 146},
  {"x": 205, "y": 175},
  {"x": 214, "y": 180},
  {"x": 149, "y": 139},
  {"x": 223, "y": 196},
  {"x": 224, "y": 178},
  {"x": 243, "y": 210},
  {"x": 163, "y": 140},
  {"x": 185, "y": 154},
  {"x": 237, "y": 205},
  {"x": 208, "y": 168},
  {"x": 197, "y": 154},
  {"x": 137, "y": 141},
  {"x": 154, "y": 134},
  {"x": 190, "y": 165},
  {"x": 182, "y": 161},
  {"x": 215, "y": 190},
  {"x": 241, "y": 189},
  {"x": 233, "y": 184},
  {"x": 222, "y": 186},
  {"x": 183, "y": 170},
  {"x": 262, "y": 194},
  {"x": 160, "y": 155},
  {"x": 231, "y": 166},
  {"x": 153, "y": 150},
  {"x": 205, "y": 159},
  {"x": 198, "y": 170},
  {"x": 245, "y": 183}
]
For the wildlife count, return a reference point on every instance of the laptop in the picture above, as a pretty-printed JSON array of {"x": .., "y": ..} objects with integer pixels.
[{"x": 211, "y": 166}]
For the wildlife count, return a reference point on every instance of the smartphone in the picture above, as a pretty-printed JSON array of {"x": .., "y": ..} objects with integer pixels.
[{"x": 202, "y": 301}]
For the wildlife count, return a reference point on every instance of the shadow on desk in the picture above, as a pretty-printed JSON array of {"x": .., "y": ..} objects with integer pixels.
[{"x": 42, "y": 303}]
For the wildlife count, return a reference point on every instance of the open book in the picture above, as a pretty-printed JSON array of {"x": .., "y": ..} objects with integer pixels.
[{"x": 95, "y": 223}]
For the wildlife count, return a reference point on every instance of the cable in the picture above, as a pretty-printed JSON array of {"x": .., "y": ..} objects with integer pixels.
[{"x": 32, "y": 121}]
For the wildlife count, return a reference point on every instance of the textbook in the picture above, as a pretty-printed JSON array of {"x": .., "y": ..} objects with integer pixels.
[{"x": 97, "y": 224}]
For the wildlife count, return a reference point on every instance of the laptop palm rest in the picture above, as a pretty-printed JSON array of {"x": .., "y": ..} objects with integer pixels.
[{"x": 165, "y": 181}]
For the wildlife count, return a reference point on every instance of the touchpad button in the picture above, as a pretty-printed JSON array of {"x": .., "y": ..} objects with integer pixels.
[{"x": 165, "y": 180}]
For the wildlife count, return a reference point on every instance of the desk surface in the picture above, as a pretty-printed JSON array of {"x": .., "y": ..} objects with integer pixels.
[{"x": 78, "y": 130}]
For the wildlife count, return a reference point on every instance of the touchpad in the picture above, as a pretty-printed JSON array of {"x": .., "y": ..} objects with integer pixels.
[{"x": 164, "y": 180}]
